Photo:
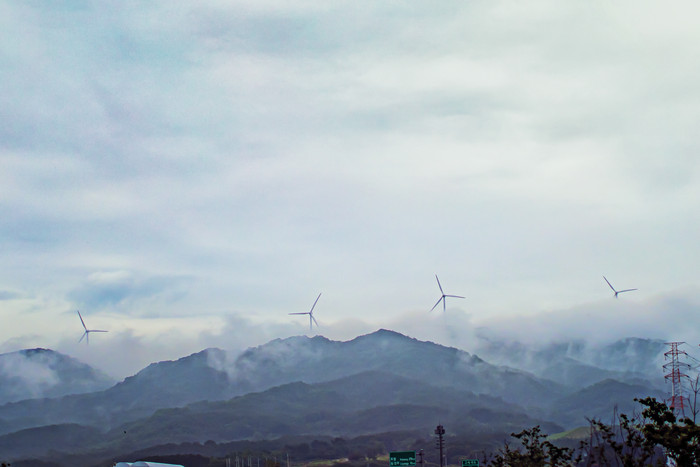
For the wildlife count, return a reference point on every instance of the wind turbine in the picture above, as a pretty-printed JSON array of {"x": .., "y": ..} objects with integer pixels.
[
  {"x": 86, "y": 334},
  {"x": 442, "y": 298},
  {"x": 617, "y": 291},
  {"x": 312, "y": 320}
]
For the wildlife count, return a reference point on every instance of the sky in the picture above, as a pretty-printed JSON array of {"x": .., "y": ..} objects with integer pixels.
[{"x": 186, "y": 174}]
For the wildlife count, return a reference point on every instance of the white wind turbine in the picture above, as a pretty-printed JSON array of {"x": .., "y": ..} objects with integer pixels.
[
  {"x": 86, "y": 334},
  {"x": 444, "y": 295},
  {"x": 312, "y": 320},
  {"x": 617, "y": 291}
]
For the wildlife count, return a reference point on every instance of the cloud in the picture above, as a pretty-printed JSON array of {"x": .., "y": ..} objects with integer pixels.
[
  {"x": 143, "y": 340},
  {"x": 25, "y": 377},
  {"x": 9, "y": 295},
  {"x": 124, "y": 289},
  {"x": 237, "y": 159},
  {"x": 660, "y": 317}
]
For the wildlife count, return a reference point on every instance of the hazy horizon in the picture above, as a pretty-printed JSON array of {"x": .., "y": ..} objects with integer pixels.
[{"x": 594, "y": 327}]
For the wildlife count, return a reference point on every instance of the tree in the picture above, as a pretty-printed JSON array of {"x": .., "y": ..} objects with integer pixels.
[
  {"x": 633, "y": 441},
  {"x": 680, "y": 439},
  {"x": 623, "y": 444},
  {"x": 537, "y": 452}
]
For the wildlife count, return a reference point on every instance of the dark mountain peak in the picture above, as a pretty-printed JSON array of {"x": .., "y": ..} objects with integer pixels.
[
  {"x": 384, "y": 333},
  {"x": 295, "y": 348},
  {"x": 191, "y": 364},
  {"x": 290, "y": 350},
  {"x": 37, "y": 351},
  {"x": 388, "y": 338},
  {"x": 207, "y": 354},
  {"x": 384, "y": 338}
]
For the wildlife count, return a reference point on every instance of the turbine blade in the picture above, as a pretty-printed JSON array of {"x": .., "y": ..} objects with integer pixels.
[
  {"x": 315, "y": 322},
  {"x": 613, "y": 288},
  {"x": 81, "y": 320},
  {"x": 437, "y": 303},
  {"x": 438, "y": 281},
  {"x": 300, "y": 313},
  {"x": 627, "y": 290},
  {"x": 82, "y": 337},
  {"x": 97, "y": 330},
  {"x": 314, "y": 305},
  {"x": 455, "y": 296}
]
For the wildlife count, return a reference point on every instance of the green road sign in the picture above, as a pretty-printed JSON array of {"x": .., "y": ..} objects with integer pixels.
[
  {"x": 401, "y": 458},
  {"x": 470, "y": 462}
]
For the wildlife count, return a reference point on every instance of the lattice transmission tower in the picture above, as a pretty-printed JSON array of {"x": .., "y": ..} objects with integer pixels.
[{"x": 675, "y": 373}]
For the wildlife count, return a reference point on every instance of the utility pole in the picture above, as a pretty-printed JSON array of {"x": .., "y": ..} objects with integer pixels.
[
  {"x": 440, "y": 431},
  {"x": 420, "y": 456}
]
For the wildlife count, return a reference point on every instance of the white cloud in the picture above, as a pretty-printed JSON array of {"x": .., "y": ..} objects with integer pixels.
[{"x": 241, "y": 158}]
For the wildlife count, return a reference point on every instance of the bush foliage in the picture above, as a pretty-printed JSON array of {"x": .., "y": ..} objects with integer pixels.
[{"x": 655, "y": 438}]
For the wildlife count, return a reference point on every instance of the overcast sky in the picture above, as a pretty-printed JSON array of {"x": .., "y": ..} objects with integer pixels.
[{"x": 188, "y": 173}]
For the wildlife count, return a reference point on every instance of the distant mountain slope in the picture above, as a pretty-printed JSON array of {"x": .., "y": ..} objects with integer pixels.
[
  {"x": 160, "y": 385},
  {"x": 42, "y": 440},
  {"x": 318, "y": 359},
  {"x": 367, "y": 403},
  {"x": 364, "y": 403},
  {"x": 173, "y": 383},
  {"x": 601, "y": 401},
  {"x": 38, "y": 373}
]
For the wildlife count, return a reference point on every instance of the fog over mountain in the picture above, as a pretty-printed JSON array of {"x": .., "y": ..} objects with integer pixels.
[
  {"x": 319, "y": 359},
  {"x": 38, "y": 373},
  {"x": 579, "y": 362},
  {"x": 592, "y": 325}
]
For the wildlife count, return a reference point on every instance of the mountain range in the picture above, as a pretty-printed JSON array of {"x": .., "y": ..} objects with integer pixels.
[{"x": 382, "y": 382}]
